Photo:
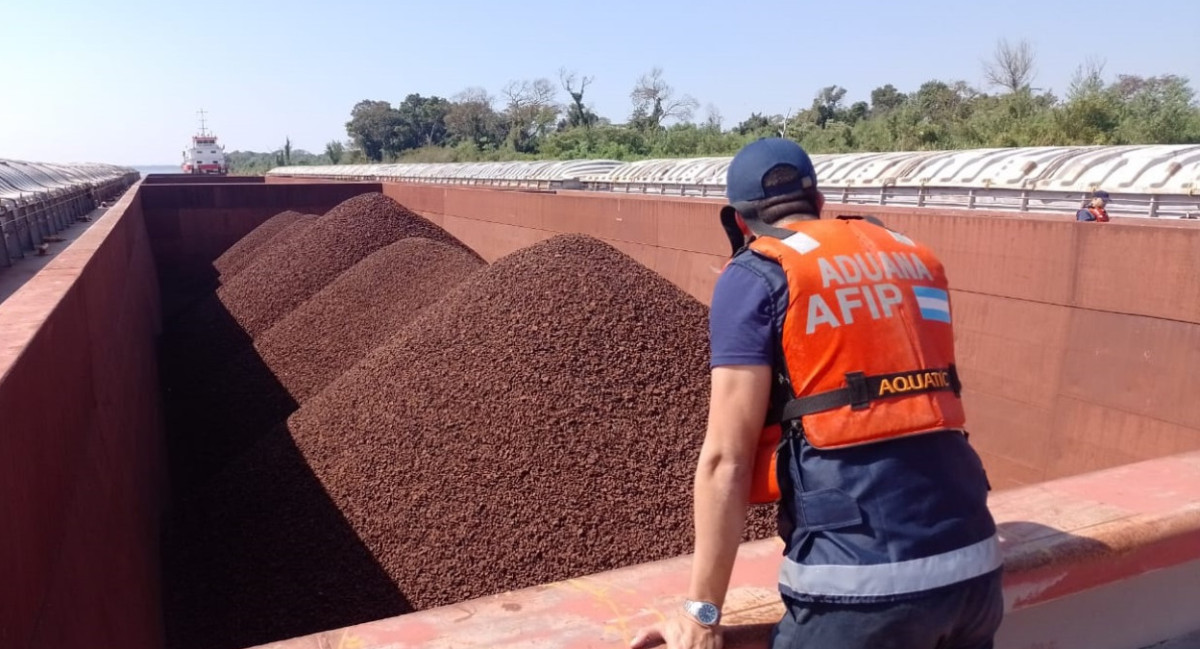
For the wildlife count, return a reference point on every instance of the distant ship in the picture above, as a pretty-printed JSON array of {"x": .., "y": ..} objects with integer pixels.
[{"x": 205, "y": 156}]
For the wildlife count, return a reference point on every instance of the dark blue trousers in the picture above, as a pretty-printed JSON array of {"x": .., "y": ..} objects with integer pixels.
[{"x": 963, "y": 616}]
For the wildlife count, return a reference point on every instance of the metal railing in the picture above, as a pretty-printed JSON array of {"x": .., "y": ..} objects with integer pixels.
[
  {"x": 1153, "y": 181},
  {"x": 39, "y": 201},
  {"x": 960, "y": 198}
]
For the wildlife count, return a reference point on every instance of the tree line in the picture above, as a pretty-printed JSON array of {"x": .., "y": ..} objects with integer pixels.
[{"x": 545, "y": 119}]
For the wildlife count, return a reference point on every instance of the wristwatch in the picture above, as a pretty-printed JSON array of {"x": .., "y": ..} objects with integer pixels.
[{"x": 706, "y": 613}]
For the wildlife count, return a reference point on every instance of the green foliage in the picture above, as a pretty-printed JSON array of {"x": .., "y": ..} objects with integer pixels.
[
  {"x": 758, "y": 126},
  {"x": 1157, "y": 109},
  {"x": 605, "y": 142},
  {"x": 334, "y": 150},
  {"x": 421, "y": 123},
  {"x": 531, "y": 123},
  {"x": 886, "y": 98},
  {"x": 472, "y": 119},
  {"x": 250, "y": 163}
]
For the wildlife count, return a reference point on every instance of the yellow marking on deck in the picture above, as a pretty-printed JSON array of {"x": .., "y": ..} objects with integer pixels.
[
  {"x": 348, "y": 640},
  {"x": 599, "y": 593}
]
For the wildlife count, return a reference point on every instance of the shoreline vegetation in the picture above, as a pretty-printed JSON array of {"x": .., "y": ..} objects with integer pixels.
[{"x": 542, "y": 119}]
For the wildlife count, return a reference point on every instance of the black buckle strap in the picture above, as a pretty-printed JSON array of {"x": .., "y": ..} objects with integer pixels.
[
  {"x": 859, "y": 393},
  {"x": 861, "y": 390},
  {"x": 955, "y": 383}
]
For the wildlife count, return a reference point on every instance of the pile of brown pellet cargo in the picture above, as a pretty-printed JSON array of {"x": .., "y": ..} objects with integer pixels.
[
  {"x": 223, "y": 387},
  {"x": 283, "y": 277},
  {"x": 273, "y": 231},
  {"x": 542, "y": 421},
  {"x": 358, "y": 311},
  {"x": 522, "y": 422}
]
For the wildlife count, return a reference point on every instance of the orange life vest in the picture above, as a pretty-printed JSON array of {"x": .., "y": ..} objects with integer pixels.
[
  {"x": 867, "y": 342},
  {"x": 1100, "y": 213}
]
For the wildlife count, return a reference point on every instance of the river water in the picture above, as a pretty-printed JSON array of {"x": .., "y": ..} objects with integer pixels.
[{"x": 158, "y": 169}]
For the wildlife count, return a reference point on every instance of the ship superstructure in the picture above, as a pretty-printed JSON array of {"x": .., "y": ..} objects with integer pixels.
[{"x": 205, "y": 156}]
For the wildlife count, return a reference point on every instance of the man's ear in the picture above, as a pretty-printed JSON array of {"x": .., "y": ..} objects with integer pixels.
[{"x": 820, "y": 202}]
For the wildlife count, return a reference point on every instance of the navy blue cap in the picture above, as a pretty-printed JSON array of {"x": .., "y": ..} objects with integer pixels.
[
  {"x": 744, "y": 180},
  {"x": 1100, "y": 193}
]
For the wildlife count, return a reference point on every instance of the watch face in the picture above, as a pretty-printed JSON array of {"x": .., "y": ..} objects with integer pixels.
[{"x": 705, "y": 612}]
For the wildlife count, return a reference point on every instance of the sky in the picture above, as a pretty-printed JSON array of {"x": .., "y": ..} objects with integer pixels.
[{"x": 121, "y": 82}]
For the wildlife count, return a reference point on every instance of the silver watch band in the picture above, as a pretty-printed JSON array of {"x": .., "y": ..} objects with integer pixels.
[{"x": 704, "y": 613}]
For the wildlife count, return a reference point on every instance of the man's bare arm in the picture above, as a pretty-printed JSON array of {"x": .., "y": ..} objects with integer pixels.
[
  {"x": 722, "y": 489},
  {"x": 722, "y": 485}
]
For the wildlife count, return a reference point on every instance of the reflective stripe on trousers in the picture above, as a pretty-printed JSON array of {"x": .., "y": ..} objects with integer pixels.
[{"x": 897, "y": 578}]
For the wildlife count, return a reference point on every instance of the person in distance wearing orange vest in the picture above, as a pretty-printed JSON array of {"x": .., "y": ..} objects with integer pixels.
[
  {"x": 834, "y": 393},
  {"x": 1095, "y": 209}
]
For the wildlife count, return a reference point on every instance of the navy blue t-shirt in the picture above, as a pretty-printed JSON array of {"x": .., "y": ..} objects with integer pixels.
[{"x": 741, "y": 318}]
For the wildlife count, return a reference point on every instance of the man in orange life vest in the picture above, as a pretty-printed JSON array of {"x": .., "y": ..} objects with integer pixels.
[
  {"x": 1095, "y": 209},
  {"x": 835, "y": 393}
]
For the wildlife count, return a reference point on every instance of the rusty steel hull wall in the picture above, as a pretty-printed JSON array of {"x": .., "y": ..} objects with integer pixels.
[
  {"x": 1076, "y": 340},
  {"x": 81, "y": 459},
  {"x": 200, "y": 179},
  {"x": 80, "y": 445},
  {"x": 191, "y": 224}
]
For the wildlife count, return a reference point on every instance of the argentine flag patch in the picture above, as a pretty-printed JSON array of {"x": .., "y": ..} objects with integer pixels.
[{"x": 934, "y": 303}]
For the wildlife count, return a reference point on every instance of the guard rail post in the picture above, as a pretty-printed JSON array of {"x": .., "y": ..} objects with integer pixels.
[
  {"x": 33, "y": 222},
  {"x": 60, "y": 208},
  {"x": 5, "y": 260},
  {"x": 13, "y": 229},
  {"x": 46, "y": 226},
  {"x": 47, "y": 221},
  {"x": 75, "y": 207},
  {"x": 24, "y": 236},
  {"x": 58, "y": 220},
  {"x": 56, "y": 215},
  {"x": 37, "y": 224},
  {"x": 52, "y": 207},
  {"x": 65, "y": 209}
]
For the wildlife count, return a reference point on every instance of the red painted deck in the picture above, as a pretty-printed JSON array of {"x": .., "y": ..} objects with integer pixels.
[{"x": 1059, "y": 538}]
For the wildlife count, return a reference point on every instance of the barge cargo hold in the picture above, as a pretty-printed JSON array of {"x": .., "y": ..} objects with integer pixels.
[{"x": 1077, "y": 345}]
